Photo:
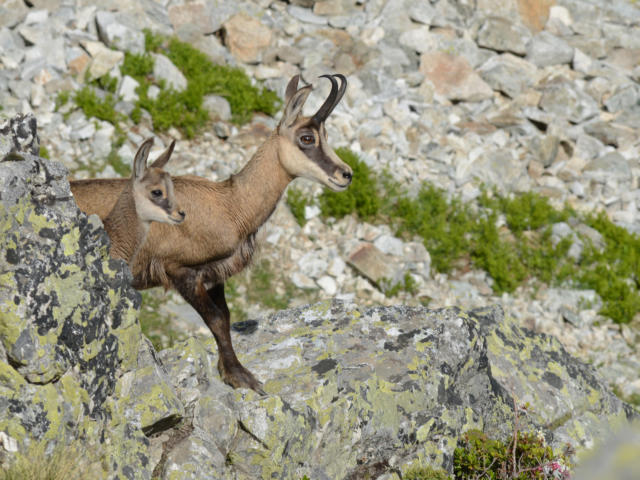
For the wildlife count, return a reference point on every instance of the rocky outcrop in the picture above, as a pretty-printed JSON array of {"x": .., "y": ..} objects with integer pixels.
[
  {"x": 353, "y": 392},
  {"x": 69, "y": 335}
]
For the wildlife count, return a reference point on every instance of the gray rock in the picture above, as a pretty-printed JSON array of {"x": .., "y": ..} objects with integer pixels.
[
  {"x": 545, "y": 149},
  {"x": 610, "y": 165},
  {"x": 624, "y": 97},
  {"x": 127, "y": 89},
  {"x": 312, "y": 265},
  {"x": 73, "y": 329},
  {"x": 503, "y": 35},
  {"x": 19, "y": 134},
  {"x": 197, "y": 15},
  {"x": 497, "y": 167},
  {"x": 565, "y": 100},
  {"x": 422, "y": 12},
  {"x": 562, "y": 230},
  {"x": 508, "y": 74},
  {"x": 610, "y": 133},
  {"x": 305, "y": 15},
  {"x": 115, "y": 34},
  {"x": 389, "y": 245},
  {"x": 374, "y": 265},
  {"x": 164, "y": 69},
  {"x": 12, "y": 12},
  {"x": 217, "y": 106},
  {"x": 546, "y": 49}
]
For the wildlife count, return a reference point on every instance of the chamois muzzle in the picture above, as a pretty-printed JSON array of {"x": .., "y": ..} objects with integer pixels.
[{"x": 335, "y": 95}]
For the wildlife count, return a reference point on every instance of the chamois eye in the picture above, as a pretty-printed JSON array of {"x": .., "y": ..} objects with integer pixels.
[
  {"x": 156, "y": 193},
  {"x": 307, "y": 139}
]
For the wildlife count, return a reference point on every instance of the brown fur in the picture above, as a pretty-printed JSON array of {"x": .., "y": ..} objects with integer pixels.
[{"x": 217, "y": 238}]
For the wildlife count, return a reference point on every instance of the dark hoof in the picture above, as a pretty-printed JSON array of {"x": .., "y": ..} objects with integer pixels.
[
  {"x": 240, "y": 377},
  {"x": 245, "y": 327}
]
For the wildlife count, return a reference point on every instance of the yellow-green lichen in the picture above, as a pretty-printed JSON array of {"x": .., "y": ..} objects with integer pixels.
[{"x": 70, "y": 241}]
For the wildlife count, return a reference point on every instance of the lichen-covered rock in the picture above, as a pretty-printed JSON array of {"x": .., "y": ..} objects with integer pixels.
[
  {"x": 19, "y": 134},
  {"x": 356, "y": 391},
  {"x": 68, "y": 320}
]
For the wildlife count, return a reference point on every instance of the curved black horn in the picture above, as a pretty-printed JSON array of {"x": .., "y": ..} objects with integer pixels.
[
  {"x": 343, "y": 88},
  {"x": 328, "y": 105}
]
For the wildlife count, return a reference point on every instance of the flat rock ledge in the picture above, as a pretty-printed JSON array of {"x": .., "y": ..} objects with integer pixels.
[{"x": 352, "y": 392}]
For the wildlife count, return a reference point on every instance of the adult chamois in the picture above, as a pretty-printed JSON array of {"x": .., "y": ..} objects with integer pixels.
[
  {"x": 147, "y": 197},
  {"x": 217, "y": 238}
]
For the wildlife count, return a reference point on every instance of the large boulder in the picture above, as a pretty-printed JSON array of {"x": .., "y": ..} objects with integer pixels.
[{"x": 69, "y": 334}]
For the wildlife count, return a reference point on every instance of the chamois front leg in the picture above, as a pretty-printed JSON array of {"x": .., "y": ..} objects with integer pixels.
[
  {"x": 212, "y": 307},
  {"x": 229, "y": 366}
]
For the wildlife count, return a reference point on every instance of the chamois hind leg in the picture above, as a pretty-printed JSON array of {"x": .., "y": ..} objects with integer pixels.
[{"x": 216, "y": 316}]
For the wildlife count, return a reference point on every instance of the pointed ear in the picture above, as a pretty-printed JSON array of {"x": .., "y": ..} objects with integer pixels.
[
  {"x": 292, "y": 88},
  {"x": 294, "y": 105},
  {"x": 162, "y": 160},
  {"x": 140, "y": 161}
]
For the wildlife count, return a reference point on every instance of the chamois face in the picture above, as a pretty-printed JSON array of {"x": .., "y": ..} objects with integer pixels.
[
  {"x": 153, "y": 188},
  {"x": 304, "y": 149},
  {"x": 155, "y": 200}
]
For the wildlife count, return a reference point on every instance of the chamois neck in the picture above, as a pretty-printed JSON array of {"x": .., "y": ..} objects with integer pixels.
[
  {"x": 126, "y": 231},
  {"x": 257, "y": 188}
]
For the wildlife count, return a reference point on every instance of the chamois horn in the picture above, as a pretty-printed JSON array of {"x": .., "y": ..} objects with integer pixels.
[{"x": 335, "y": 95}]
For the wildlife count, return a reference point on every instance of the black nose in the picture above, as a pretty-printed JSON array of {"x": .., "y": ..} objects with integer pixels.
[
  {"x": 347, "y": 175},
  {"x": 181, "y": 213}
]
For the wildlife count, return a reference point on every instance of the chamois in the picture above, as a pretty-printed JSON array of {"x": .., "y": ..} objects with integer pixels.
[
  {"x": 217, "y": 238},
  {"x": 147, "y": 197}
]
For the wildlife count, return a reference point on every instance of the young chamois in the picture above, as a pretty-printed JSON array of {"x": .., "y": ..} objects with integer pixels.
[
  {"x": 147, "y": 197},
  {"x": 217, "y": 238}
]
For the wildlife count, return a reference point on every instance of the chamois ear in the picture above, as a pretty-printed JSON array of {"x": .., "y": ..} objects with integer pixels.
[
  {"x": 140, "y": 160},
  {"x": 294, "y": 105},
  {"x": 164, "y": 157},
  {"x": 292, "y": 88}
]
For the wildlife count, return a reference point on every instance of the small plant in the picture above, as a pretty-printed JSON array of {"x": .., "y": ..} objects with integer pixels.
[
  {"x": 297, "y": 202},
  {"x": 443, "y": 224},
  {"x": 184, "y": 109},
  {"x": 62, "y": 98},
  {"x": 407, "y": 284},
  {"x": 44, "y": 153},
  {"x": 107, "y": 83},
  {"x": 614, "y": 271},
  {"x": 525, "y": 457},
  {"x": 137, "y": 65},
  {"x": 93, "y": 106},
  {"x": 425, "y": 473},
  {"x": 63, "y": 464}
]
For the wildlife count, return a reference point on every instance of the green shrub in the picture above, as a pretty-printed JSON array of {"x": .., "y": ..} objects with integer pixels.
[
  {"x": 363, "y": 197},
  {"x": 62, "y": 98},
  {"x": 137, "y": 65},
  {"x": 93, "y": 106},
  {"x": 425, "y": 473},
  {"x": 614, "y": 271},
  {"x": 107, "y": 83},
  {"x": 297, "y": 201},
  {"x": 524, "y": 457},
  {"x": 184, "y": 109},
  {"x": 497, "y": 255},
  {"x": 444, "y": 225}
]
